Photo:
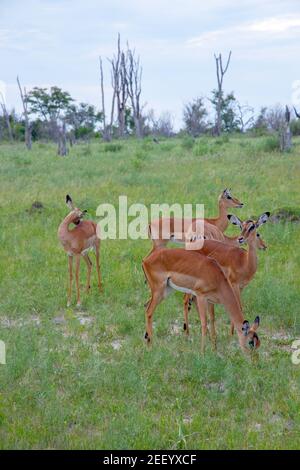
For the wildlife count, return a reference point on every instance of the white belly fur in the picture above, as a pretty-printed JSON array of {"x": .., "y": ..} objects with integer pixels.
[{"x": 179, "y": 288}]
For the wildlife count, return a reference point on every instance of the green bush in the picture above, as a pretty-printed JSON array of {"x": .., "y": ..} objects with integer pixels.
[
  {"x": 223, "y": 139},
  {"x": 269, "y": 144},
  {"x": 188, "y": 143},
  {"x": 202, "y": 147},
  {"x": 113, "y": 147}
]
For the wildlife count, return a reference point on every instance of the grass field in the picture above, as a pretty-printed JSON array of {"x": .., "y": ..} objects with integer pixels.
[{"x": 84, "y": 378}]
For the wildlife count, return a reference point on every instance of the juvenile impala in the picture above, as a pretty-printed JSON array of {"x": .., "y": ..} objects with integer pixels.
[
  {"x": 163, "y": 230},
  {"x": 78, "y": 241},
  {"x": 238, "y": 265},
  {"x": 194, "y": 273}
]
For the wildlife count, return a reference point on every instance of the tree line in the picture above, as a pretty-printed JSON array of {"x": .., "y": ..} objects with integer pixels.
[{"x": 52, "y": 114}]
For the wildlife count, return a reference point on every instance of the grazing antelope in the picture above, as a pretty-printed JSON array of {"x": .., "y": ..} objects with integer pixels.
[
  {"x": 194, "y": 273},
  {"x": 77, "y": 241},
  {"x": 163, "y": 230},
  {"x": 238, "y": 265}
]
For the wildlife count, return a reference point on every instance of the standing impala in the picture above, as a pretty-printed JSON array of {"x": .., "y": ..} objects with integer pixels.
[
  {"x": 77, "y": 241},
  {"x": 163, "y": 230},
  {"x": 238, "y": 265},
  {"x": 197, "y": 274}
]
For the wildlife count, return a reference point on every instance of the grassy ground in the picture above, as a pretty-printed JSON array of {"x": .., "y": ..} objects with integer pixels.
[{"x": 84, "y": 379}]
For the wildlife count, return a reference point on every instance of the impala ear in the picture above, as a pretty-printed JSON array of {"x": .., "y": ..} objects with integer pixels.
[
  {"x": 255, "y": 324},
  {"x": 246, "y": 327},
  {"x": 69, "y": 202},
  {"x": 235, "y": 220},
  {"x": 263, "y": 219}
]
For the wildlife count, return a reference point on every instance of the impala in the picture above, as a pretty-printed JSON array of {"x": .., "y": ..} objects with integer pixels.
[
  {"x": 238, "y": 265},
  {"x": 194, "y": 273},
  {"x": 77, "y": 242},
  {"x": 163, "y": 230}
]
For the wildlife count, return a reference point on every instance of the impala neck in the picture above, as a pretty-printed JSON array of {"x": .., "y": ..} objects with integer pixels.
[
  {"x": 223, "y": 221},
  {"x": 64, "y": 226},
  {"x": 252, "y": 256},
  {"x": 233, "y": 307}
]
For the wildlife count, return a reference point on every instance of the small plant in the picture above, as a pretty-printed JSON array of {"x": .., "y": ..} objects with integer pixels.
[
  {"x": 269, "y": 144},
  {"x": 201, "y": 148},
  {"x": 224, "y": 139},
  {"x": 188, "y": 143},
  {"x": 139, "y": 157},
  {"x": 86, "y": 151},
  {"x": 113, "y": 147}
]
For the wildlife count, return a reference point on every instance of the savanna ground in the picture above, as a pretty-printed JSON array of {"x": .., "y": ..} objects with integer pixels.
[{"x": 84, "y": 378}]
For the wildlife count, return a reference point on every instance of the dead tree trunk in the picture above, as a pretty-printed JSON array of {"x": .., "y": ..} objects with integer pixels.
[
  {"x": 62, "y": 141},
  {"x": 285, "y": 135},
  {"x": 6, "y": 118},
  {"x": 134, "y": 84},
  {"x": 220, "y": 76},
  {"x": 106, "y": 128},
  {"x": 27, "y": 125},
  {"x": 119, "y": 85}
]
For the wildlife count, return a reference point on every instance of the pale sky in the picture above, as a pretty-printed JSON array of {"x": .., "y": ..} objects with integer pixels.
[{"x": 57, "y": 42}]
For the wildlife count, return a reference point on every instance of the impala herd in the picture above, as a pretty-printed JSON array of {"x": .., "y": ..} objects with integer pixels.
[{"x": 210, "y": 268}]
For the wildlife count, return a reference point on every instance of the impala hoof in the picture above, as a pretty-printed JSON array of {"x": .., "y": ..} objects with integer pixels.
[
  {"x": 78, "y": 305},
  {"x": 68, "y": 304}
]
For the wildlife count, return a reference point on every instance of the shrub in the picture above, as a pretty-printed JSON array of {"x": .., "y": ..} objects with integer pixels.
[
  {"x": 201, "y": 148},
  {"x": 269, "y": 144},
  {"x": 113, "y": 147},
  {"x": 188, "y": 143}
]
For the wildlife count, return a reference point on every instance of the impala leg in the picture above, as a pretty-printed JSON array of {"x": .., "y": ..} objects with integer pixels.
[
  {"x": 89, "y": 269},
  {"x": 70, "y": 280},
  {"x": 213, "y": 335},
  {"x": 201, "y": 306},
  {"x": 237, "y": 292},
  {"x": 186, "y": 308},
  {"x": 77, "y": 279},
  {"x": 98, "y": 266},
  {"x": 154, "y": 301}
]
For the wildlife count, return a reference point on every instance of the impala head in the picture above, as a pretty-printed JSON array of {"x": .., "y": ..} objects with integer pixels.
[
  {"x": 76, "y": 214},
  {"x": 228, "y": 200},
  {"x": 248, "y": 229},
  {"x": 251, "y": 339}
]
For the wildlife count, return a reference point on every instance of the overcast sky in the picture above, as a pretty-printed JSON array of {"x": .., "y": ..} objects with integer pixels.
[{"x": 57, "y": 42}]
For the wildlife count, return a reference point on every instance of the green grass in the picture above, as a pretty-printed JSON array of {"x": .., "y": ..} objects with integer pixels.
[{"x": 65, "y": 384}]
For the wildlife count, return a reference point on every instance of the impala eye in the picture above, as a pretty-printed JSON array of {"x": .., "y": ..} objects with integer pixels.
[
  {"x": 258, "y": 235},
  {"x": 229, "y": 197}
]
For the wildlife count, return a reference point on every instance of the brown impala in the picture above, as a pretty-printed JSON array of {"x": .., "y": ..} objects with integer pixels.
[
  {"x": 163, "y": 230},
  {"x": 77, "y": 242},
  {"x": 194, "y": 273}
]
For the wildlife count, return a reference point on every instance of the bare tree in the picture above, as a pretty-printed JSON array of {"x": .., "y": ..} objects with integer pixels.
[
  {"x": 6, "y": 118},
  {"x": 119, "y": 84},
  {"x": 220, "y": 76},
  {"x": 106, "y": 128},
  {"x": 285, "y": 134},
  {"x": 245, "y": 116},
  {"x": 62, "y": 149},
  {"x": 26, "y": 117},
  {"x": 134, "y": 84}
]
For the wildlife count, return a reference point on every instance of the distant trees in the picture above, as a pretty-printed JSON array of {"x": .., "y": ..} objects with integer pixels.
[
  {"x": 51, "y": 106},
  {"x": 226, "y": 108},
  {"x": 194, "y": 117},
  {"x": 163, "y": 125},
  {"x": 82, "y": 120}
]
